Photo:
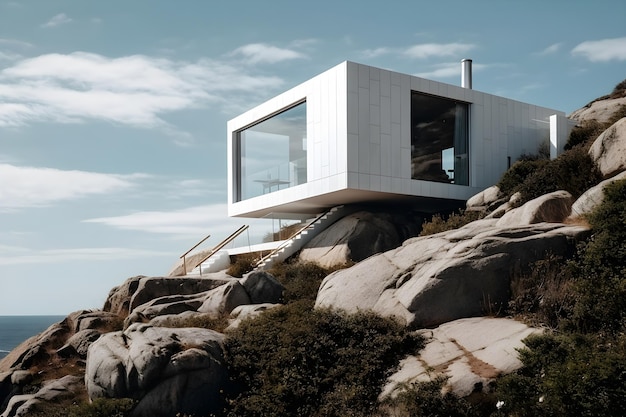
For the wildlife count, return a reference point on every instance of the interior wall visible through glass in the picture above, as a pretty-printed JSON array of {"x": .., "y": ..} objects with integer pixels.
[
  {"x": 439, "y": 139},
  {"x": 272, "y": 154}
]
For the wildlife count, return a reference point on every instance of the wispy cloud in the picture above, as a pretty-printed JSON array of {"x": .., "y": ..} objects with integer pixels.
[
  {"x": 428, "y": 50},
  {"x": 377, "y": 52},
  {"x": 603, "y": 50},
  {"x": 9, "y": 56},
  {"x": 24, "y": 256},
  {"x": 447, "y": 70},
  {"x": 184, "y": 221},
  {"x": 9, "y": 48},
  {"x": 15, "y": 43},
  {"x": 57, "y": 20},
  {"x": 552, "y": 49},
  {"x": 22, "y": 187},
  {"x": 187, "y": 222},
  {"x": 132, "y": 90},
  {"x": 262, "y": 53}
]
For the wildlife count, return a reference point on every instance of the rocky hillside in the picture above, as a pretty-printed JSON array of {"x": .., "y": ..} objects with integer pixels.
[{"x": 393, "y": 317}]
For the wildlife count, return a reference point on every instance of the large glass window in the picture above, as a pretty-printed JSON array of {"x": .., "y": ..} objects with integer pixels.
[
  {"x": 439, "y": 139},
  {"x": 272, "y": 154}
]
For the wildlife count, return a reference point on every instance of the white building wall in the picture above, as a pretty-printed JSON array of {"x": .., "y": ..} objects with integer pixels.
[
  {"x": 359, "y": 138},
  {"x": 327, "y": 162}
]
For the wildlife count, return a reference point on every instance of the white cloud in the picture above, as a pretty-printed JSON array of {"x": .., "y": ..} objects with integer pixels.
[
  {"x": 554, "y": 48},
  {"x": 23, "y": 256},
  {"x": 22, "y": 187},
  {"x": 57, "y": 20},
  {"x": 9, "y": 56},
  {"x": 427, "y": 50},
  {"x": 602, "y": 50},
  {"x": 133, "y": 90},
  {"x": 448, "y": 70},
  {"x": 190, "y": 222},
  {"x": 376, "y": 52},
  {"x": 15, "y": 43},
  {"x": 261, "y": 53},
  {"x": 183, "y": 221}
]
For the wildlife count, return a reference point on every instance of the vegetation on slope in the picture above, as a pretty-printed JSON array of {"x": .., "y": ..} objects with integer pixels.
[
  {"x": 579, "y": 368},
  {"x": 573, "y": 171},
  {"x": 297, "y": 361}
]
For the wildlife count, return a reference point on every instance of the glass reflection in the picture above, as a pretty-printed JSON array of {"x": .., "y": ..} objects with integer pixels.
[
  {"x": 272, "y": 154},
  {"x": 439, "y": 139}
]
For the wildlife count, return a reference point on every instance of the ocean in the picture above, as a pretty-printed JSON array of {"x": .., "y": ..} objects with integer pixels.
[{"x": 15, "y": 329}]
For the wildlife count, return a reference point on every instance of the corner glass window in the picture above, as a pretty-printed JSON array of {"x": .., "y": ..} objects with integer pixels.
[
  {"x": 439, "y": 139},
  {"x": 272, "y": 154}
]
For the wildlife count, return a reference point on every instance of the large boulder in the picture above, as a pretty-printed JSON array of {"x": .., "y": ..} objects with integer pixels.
[
  {"x": 600, "y": 110},
  {"x": 455, "y": 274},
  {"x": 155, "y": 287},
  {"x": 553, "y": 208},
  {"x": 609, "y": 149},
  {"x": 471, "y": 353},
  {"x": 37, "y": 349},
  {"x": 56, "y": 390},
  {"x": 167, "y": 370},
  {"x": 139, "y": 290},
  {"x": 360, "y": 235},
  {"x": 485, "y": 199},
  {"x": 254, "y": 288},
  {"x": 593, "y": 197},
  {"x": 245, "y": 312}
]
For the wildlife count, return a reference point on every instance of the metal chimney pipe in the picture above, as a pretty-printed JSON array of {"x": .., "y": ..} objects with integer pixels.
[{"x": 466, "y": 73}]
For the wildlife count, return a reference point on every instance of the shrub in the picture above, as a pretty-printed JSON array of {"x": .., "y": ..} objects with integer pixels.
[
  {"x": 573, "y": 171},
  {"x": 544, "y": 294},
  {"x": 601, "y": 267},
  {"x": 441, "y": 223},
  {"x": 515, "y": 176},
  {"x": 293, "y": 360},
  {"x": 424, "y": 399},
  {"x": 584, "y": 134},
  {"x": 101, "y": 407},
  {"x": 242, "y": 265},
  {"x": 619, "y": 90},
  {"x": 300, "y": 279},
  {"x": 567, "y": 375}
]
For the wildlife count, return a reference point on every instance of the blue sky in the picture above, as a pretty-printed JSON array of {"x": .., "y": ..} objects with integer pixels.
[{"x": 113, "y": 113}]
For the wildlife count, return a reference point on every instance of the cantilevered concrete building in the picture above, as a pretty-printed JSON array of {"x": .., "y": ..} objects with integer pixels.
[{"x": 359, "y": 134}]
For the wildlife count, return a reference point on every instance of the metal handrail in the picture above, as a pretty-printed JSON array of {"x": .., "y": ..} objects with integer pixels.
[
  {"x": 222, "y": 244},
  {"x": 286, "y": 241},
  {"x": 183, "y": 256}
]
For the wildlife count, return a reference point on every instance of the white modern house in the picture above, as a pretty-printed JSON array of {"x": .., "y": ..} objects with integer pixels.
[{"x": 359, "y": 134}]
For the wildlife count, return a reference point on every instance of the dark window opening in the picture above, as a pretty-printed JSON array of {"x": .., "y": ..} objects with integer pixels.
[{"x": 439, "y": 139}]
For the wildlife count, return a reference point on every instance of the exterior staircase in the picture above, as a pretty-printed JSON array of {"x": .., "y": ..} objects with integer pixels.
[{"x": 303, "y": 236}]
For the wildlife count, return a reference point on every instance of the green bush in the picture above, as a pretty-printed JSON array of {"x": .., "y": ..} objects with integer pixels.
[
  {"x": 296, "y": 361},
  {"x": 601, "y": 267},
  {"x": 426, "y": 399},
  {"x": 568, "y": 375},
  {"x": 584, "y": 134},
  {"x": 515, "y": 176},
  {"x": 441, "y": 223},
  {"x": 101, "y": 407},
  {"x": 242, "y": 265},
  {"x": 300, "y": 279},
  {"x": 543, "y": 294},
  {"x": 573, "y": 171}
]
